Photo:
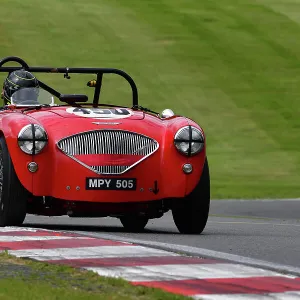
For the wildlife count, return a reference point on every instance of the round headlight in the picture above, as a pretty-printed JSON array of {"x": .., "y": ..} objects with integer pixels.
[
  {"x": 32, "y": 139},
  {"x": 189, "y": 140}
]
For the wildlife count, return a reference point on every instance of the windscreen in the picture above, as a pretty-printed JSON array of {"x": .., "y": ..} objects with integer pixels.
[{"x": 31, "y": 96}]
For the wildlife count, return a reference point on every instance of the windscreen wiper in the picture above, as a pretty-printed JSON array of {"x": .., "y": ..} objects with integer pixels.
[
  {"x": 138, "y": 107},
  {"x": 37, "y": 107}
]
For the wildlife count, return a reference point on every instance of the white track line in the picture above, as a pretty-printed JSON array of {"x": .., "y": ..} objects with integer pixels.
[
  {"x": 40, "y": 238},
  {"x": 183, "y": 272},
  {"x": 267, "y": 296},
  {"x": 13, "y": 228},
  {"x": 195, "y": 251},
  {"x": 90, "y": 252},
  {"x": 257, "y": 200},
  {"x": 252, "y": 223}
]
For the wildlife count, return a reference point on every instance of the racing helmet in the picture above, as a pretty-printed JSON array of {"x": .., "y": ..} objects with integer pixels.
[{"x": 20, "y": 79}]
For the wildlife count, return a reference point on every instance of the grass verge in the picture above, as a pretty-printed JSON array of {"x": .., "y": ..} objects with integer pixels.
[
  {"x": 233, "y": 66},
  {"x": 27, "y": 279}
]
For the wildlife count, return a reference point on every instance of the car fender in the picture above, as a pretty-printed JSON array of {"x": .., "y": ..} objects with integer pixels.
[
  {"x": 196, "y": 161},
  {"x": 10, "y": 125},
  {"x": 172, "y": 161}
]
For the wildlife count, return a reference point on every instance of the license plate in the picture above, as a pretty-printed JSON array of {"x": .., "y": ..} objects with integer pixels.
[{"x": 93, "y": 183}]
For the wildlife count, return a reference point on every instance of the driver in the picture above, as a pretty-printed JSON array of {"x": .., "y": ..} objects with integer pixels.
[{"x": 17, "y": 80}]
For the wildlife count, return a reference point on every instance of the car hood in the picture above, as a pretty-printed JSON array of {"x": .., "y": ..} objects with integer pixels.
[
  {"x": 97, "y": 113},
  {"x": 63, "y": 121}
]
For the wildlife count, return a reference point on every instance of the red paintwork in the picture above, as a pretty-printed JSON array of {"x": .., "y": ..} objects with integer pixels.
[
  {"x": 57, "y": 171},
  {"x": 129, "y": 261},
  {"x": 258, "y": 287},
  {"x": 57, "y": 243},
  {"x": 108, "y": 159}
]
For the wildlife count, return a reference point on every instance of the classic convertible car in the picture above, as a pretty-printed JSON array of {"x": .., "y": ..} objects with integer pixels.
[{"x": 61, "y": 155}]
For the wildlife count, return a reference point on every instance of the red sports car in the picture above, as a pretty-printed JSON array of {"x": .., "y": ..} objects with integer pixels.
[{"x": 61, "y": 155}]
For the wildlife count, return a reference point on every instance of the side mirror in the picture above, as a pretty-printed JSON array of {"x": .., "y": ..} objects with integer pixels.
[{"x": 167, "y": 113}]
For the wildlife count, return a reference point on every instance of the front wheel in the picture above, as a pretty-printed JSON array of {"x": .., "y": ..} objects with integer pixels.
[
  {"x": 190, "y": 214},
  {"x": 134, "y": 223},
  {"x": 13, "y": 196}
]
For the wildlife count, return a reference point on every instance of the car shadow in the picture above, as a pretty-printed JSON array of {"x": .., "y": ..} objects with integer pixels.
[{"x": 93, "y": 228}]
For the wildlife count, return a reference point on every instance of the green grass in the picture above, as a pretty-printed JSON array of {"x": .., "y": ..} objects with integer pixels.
[
  {"x": 233, "y": 66},
  {"x": 30, "y": 280}
]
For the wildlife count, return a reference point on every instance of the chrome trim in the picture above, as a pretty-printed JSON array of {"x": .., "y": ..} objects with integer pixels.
[
  {"x": 106, "y": 123},
  {"x": 110, "y": 169},
  {"x": 110, "y": 141}
]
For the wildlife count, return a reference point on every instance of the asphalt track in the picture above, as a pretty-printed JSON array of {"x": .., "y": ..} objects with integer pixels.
[{"x": 263, "y": 230}]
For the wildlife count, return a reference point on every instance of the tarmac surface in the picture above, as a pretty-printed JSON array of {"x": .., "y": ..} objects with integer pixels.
[{"x": 260, "y": 229}]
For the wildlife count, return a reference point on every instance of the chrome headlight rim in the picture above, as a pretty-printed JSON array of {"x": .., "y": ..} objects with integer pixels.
[
  {"x": 189, "y": 140},
  {"x": 34, "y": 139}
]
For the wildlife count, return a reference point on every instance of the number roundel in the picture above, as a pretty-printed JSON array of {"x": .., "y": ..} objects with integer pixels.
[{"x": 105, "y": 113}]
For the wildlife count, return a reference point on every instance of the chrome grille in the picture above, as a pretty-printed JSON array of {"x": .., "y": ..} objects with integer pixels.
[
  {"x": 108, "y": 142},
  {"x": 110, "y": 169}
]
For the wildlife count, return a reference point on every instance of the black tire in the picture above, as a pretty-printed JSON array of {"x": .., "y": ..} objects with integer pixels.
[
  {"x": 13, "y": 196},
  {"x": 190, "y": 214},
  {"x": 134, "y": 223}
]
